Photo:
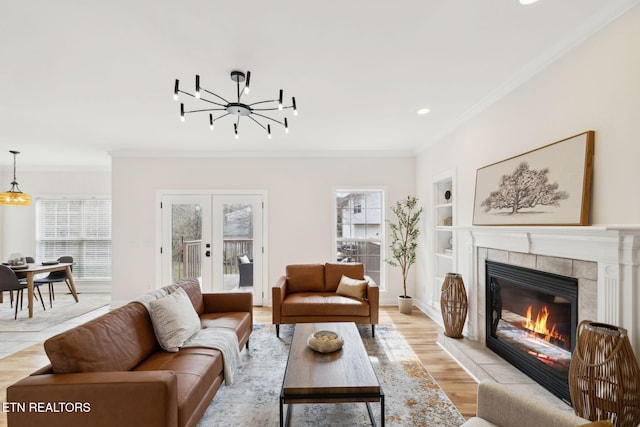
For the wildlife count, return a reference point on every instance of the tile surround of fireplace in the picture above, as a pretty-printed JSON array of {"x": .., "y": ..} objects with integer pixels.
[{"x": 604, "y": 259}]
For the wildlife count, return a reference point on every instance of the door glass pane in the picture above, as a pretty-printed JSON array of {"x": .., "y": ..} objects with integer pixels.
[
  {"x": 238, "y": 246},
  {"x": 186, "y": 241}
]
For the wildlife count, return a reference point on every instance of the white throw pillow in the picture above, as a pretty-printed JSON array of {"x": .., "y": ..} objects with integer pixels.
[
  {"x": 244, "y": 259},
  {"x": 174, "y": 320},
  {"x": 352, "y": 287}
]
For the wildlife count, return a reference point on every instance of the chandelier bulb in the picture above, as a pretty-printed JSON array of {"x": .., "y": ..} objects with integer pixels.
[
  {"x": 175, "y": 90},
  {"x": 280, "y": 100},
  {"x": 247, "y": 82},
  {"x": 211, "y": 121},
  {"x": 295, "y": 109},
  {"x": 286, "y": 125},
  {"x": 181, "y": 112},
  {"x": 269, "y": 131},
  {"x": 235, "y": 129},
  {"x": 197, "y": 86}
]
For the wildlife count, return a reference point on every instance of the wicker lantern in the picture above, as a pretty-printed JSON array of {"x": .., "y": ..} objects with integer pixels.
[
  {"x": 604, "y": 377},
  {"x": 453, "y": 304}
]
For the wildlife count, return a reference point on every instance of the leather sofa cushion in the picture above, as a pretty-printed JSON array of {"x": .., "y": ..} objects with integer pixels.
[
  {"x": 323, "y": 304},
  {"x": 333, "y": 272},
  {"x": 117, "y": 341},
  {"x": 240, "y": 322},
  {"x": 305, "y": 278},
  {"x": 195, "y": 368}
]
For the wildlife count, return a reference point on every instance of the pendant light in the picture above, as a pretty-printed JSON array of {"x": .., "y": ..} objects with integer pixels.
[{"x": 14, "y": 197}]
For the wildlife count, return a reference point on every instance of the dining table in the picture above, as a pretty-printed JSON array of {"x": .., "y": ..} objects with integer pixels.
[{"x": 31, "y": 269}]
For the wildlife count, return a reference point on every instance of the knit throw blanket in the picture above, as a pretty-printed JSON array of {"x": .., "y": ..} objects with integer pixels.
[{"x": 223, "y": 339}]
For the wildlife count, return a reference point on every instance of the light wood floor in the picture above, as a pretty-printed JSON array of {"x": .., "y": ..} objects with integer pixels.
[{"x": 418, "y": 330}]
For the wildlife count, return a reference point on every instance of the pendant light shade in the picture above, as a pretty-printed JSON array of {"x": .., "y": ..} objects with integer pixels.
[{"x": 14, "y": 197}]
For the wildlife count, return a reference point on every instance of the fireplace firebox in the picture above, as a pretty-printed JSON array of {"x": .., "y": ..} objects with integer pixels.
[{"x": 531, "y": 322}]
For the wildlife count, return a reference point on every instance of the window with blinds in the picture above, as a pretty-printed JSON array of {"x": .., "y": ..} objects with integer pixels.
[{"x": 80, "y": 228}]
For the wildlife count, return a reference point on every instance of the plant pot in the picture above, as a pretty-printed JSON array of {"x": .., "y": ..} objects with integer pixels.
[{"x": 405, "y": 304}]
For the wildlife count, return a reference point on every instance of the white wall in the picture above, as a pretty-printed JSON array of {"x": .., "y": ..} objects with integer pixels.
[
  {"x": 595, "y": 87},
  {"x": 299, "y": 192}
]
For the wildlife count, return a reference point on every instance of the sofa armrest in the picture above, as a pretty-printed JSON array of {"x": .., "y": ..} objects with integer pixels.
[
  {"x": 499, "y": 405},
  {"x": 95, "y": 399},
  {"x": 224, "y": 302},
  {"x": 373, "y": 296},
  {"x": 278, "y": 294}
]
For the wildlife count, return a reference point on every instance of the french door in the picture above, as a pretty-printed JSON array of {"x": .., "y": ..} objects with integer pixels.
[{"x": 215, "y": 237}]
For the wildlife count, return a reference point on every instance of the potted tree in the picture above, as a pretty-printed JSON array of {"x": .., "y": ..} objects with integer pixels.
[{"x": 404, "y": 242}]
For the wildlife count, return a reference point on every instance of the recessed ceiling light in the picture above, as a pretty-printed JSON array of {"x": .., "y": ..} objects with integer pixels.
[
  {"x": 422, "y": 111},
  {"x": 526, "y": 2}
]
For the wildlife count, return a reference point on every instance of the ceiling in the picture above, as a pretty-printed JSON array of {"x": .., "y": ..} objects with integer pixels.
[{"x": 81, "y": 80}]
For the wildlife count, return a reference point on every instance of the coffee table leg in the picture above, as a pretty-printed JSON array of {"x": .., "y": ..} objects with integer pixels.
[
  {"x": 281, "y": 407},
  {"x": 287, "y": 420},
  {"x": 381, "y": 409},
  {"x": 371, "y": 417}
]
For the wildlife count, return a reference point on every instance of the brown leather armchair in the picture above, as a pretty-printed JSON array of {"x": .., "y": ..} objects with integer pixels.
[{"x": 307, "y": 294}]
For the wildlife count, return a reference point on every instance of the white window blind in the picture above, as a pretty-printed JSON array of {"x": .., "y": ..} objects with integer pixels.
[{"x": 80, "y": 228}]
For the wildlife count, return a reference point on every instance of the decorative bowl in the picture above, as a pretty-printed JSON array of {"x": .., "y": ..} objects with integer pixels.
[{"x": 325, "y": 341}]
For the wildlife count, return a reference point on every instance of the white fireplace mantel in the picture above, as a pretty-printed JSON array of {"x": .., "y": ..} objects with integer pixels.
[{"x": 615, "y": 249}]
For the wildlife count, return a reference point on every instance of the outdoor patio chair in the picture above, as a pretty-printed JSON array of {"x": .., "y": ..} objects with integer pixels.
[{"x": 245, "y": 265}]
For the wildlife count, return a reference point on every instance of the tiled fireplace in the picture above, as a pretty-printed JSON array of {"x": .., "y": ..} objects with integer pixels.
[
  {"x": 604, "y": 262},
  {"x": 531, "y": 319}
]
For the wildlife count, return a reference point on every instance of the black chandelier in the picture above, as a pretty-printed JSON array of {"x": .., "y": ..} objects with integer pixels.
[{"x": 237, "y": 108}]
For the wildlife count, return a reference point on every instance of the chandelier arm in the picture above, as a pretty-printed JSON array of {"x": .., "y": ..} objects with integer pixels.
[
  {"x": 259, "y": 124},
  {"x": 186, "y": 93},
  {"x": 211, "y": 93},
  {"x": 219, "y": 117},
  {"x": 205, "y": 109},
  {"x": 262, "y": 102},
  {"x": 206, "y": 100},
  {"x": 213, "y": 102},
  {"x": 265, "y": 109},
  {"x": 268, "y": 118}
]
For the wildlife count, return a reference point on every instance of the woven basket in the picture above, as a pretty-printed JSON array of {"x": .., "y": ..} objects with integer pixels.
[
  {"x": 604, "y": 377},
  {"x": 453, "y": 304}
]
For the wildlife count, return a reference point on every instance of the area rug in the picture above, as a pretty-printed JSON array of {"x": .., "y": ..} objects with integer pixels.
[
  {"x": 412, "y": 397},
  {"x": 64, "y": 308}
]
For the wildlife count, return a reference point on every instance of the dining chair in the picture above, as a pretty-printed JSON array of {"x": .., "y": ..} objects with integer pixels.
[
  {"x": 54, "y": 277},
  {"x": 23, "y": 279},
  {"x": 10, "y": 282}
]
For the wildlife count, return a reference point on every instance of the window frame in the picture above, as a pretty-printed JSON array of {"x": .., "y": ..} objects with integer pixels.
[{"x": 381, "y": 282}]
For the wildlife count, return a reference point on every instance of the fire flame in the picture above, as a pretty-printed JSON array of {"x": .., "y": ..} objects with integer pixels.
[{"x": 539, "y": 326}]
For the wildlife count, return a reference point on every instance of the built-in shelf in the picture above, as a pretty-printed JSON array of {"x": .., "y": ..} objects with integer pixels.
[{"x": 443, "y": 204}]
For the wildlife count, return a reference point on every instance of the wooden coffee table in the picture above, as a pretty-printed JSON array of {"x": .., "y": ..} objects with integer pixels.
[{"x": 342, "y": 376}]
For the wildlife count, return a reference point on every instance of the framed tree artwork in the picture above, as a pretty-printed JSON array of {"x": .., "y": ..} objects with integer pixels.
[{"x": 547, "y": 186}]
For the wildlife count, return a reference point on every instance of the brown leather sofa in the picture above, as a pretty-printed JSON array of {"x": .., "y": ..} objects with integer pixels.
[
  {"x": 307, "y": 294},
  {"x": 111, "y": 371}
]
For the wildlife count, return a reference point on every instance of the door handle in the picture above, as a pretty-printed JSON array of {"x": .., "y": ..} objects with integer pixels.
[{"x": 207, "y": 254}]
